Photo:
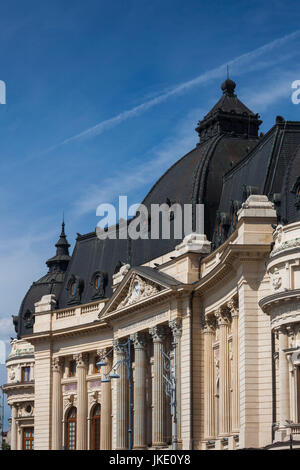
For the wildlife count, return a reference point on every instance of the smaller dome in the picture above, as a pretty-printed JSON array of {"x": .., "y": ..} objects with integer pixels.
[{"x": 228, "y": 86}]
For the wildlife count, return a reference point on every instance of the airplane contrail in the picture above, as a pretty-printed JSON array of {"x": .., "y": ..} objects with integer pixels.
[{"x": 240, "y": 61}]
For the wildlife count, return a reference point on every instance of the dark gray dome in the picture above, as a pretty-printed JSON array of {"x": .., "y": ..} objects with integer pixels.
[{"x": 51, "y": 283}]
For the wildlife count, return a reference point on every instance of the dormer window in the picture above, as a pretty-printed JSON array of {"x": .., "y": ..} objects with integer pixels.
[
  {"x": 98, "y": 282},
  {"x": 73, "y": 288},
  {"x": 28, "y": 319}
]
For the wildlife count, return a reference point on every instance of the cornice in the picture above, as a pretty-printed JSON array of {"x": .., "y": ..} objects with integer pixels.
[
  {"x": 18, "y": 386},
  {"x": 286, "y": 296},
  {"x": 232, "y": 254},
  {"x": 69, "y": 331}
]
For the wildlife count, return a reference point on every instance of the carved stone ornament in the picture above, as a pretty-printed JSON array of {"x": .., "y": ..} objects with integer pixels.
[
  {"x": 232, "y": 305},
  {"x": 210, "y": 324},
  {"x": 139, "y": 289},
  {"x": 93, "y": 398},
  {"x": 158, "y": 333},
  {"x": 222, "y": 317},
  {"x": 102, "y": 354},
  {"x": 276, "y": 279},
  {"x": 56, "y": 364},
  {"x": 69, "y": 401},
  {"x": 176, "y": 327},
  {"x": 139, "y": 340},
  {"x": 280, "y": 244},
  {"x": 81, "y": 359},
  {"x": 12, "y": 374}
]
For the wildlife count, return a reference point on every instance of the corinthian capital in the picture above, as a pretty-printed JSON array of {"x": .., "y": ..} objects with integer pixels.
[
  {"x": 56, "y": 364},
  {"x": 119, "y": 346},
  {"x": 176, "y": 327},
  {"x": 232, "y": 305},
  {"x": 210, "y": 324},
  {"x": 139, "y": 340},
  {"x": 81, "y": 359},
  {"x": 158, "y": 333},
  {"x": 221, "y": 315}
]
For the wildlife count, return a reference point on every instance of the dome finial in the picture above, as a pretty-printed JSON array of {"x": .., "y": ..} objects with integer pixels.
[
  {"x": 229, "y": 85},
  {"x": 63, "y": 226}
]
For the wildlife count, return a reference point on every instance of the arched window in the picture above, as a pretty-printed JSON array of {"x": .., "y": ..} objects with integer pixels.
[
  {"x": 95, "y": 427},
  {"x": 71, "y": 428}
]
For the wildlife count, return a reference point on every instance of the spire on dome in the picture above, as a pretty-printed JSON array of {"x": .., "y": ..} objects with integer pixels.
[{"x": 60, "y": 261}]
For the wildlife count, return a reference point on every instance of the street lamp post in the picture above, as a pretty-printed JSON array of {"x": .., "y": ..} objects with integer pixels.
[
  {"x": 170, "y": 377},
  {"x": 113, "y": 375}
]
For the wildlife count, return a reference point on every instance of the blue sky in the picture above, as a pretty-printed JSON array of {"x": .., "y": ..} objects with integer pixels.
[{"x": 102, "y": 97}]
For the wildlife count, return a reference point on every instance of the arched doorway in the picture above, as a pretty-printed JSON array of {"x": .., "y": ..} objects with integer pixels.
[
  {"x": 95, "y": 427},
  {"x": 71, "y": 428}
]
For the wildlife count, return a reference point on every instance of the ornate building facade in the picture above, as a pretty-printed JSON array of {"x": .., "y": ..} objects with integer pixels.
[{"x": 193, "y": 343}]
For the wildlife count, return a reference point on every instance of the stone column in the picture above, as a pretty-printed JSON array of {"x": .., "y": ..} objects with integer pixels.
[
  {"x": 81, "y": 366},
  {"x": 235, "y": 414},
  {"x": 56, "y": 404},
  {"x": 122, "y": 398},
  {"x": 224, "y": 418},
  {"x": 284, "y": 392},
  {"x": 20, "y": 431},
  {"x": 140, "y": 423},
  {"x": 176, "y": 328},
  {"x": 209, "y": 379},
  {"x": 14, "y": 430},
  {"x": 105, "y": 423},
  {"x": 158, "y": 436}
]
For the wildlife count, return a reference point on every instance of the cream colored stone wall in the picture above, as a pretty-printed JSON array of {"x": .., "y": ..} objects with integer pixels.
[
  {"x": 241, "y": 270},
  {"x": 42, "y": 422}
]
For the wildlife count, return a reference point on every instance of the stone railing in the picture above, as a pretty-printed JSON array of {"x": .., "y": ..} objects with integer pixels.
[
  {"x": 78, "y": 310},
  {"x": 68, "y": 312}
]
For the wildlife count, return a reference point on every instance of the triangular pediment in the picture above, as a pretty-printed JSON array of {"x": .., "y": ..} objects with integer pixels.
[{"x": 138, "y": 285}]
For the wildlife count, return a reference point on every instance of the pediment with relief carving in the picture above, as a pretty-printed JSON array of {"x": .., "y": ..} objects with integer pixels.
[
  {"x": 136, "y": 289},
  {"x": 139, "y": 289}
]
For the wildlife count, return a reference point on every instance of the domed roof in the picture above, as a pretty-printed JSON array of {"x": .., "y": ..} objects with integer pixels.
[
  {"x": 51, "y": 283},
  {"x": 290, "y": 201},
  {"x": 226, "y": 133}
]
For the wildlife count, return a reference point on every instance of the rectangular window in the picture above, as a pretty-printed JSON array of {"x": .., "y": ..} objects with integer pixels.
[
  {"x": 28, "y": 439},
  {"x": 96, "y": 368},
  {"x": 72, "y": 369},
  {"x": 25, "y": 374}
]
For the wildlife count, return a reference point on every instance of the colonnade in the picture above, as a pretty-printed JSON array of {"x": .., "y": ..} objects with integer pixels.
[{"x": 142, "y": 342}]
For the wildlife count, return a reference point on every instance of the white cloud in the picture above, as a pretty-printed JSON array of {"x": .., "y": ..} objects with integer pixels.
[
  {"x": 132, "y": 177},
  {"x": 238, "y": 65},
  {"x": 21, "y": 263},
  {"x": 272, "y": 90}
]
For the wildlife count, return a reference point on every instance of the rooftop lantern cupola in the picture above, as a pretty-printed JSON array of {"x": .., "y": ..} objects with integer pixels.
[
  {"x": 60, "y": 261},
  {"x": 229, "y": 116}
]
